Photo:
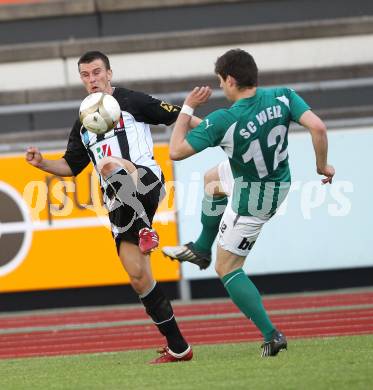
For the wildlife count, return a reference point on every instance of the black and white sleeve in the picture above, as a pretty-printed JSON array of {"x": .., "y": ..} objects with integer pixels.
[
  {"x": 76, "y": 154},
  {"x": 156, "y": 111}
]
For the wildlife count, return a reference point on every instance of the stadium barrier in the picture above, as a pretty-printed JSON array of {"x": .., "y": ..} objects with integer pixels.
[{"x": 54, "y": 231}]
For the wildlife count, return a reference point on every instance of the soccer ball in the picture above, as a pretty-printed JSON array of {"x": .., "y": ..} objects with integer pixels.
[{"x": 99, "y": 112}]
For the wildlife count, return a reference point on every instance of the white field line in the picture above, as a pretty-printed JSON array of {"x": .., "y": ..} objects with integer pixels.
[{"x": 72, "y": 223}]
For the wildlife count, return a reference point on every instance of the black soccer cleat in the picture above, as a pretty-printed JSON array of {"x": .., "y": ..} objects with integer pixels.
[
  {"x": 275, "y": 345},
  {"x": 188, "y": 253}
]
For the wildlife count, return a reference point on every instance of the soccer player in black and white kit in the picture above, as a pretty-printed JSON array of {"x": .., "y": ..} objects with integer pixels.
[{"x": 132, "y": 183}]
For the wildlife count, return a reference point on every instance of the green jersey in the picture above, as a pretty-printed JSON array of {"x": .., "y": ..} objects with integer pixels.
[{"x": 253, "y": 132}]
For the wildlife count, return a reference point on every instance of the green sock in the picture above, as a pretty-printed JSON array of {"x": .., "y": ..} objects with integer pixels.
[
  {"x": 247, "y": 298},
  {"x": 212, "y": 211}
]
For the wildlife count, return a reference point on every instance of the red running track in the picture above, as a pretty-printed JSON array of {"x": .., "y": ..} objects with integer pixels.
[
  {"x": 338, "y": 317},
  {"x": 212, "y": 308}
]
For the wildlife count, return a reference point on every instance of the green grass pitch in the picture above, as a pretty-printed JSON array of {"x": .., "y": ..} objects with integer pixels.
[{"x": 319, "y": 363}]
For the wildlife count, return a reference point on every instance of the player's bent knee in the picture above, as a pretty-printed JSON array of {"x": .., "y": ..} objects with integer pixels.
[
  {"x": 227, "y": 266},
  {"x": 138, "y": 284},
  {"x": 140, "y": 281},
  {"x": 211, "y": 176},
  {"x": 106, "y": 166},
  {"x": 212, "y": 185}
]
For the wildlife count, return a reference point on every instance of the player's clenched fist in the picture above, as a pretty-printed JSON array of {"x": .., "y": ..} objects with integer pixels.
[{"x": 33, "y": 156}]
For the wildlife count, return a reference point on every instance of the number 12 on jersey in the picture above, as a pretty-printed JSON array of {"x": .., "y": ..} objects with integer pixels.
[{"x": 255, "y": 152}]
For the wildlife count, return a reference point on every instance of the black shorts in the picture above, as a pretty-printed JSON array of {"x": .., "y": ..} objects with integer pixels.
[{"x": 124, "y": 219}]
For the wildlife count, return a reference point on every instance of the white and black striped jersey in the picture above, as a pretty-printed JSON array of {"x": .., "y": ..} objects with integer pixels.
[{"x": 131, "y": 139}]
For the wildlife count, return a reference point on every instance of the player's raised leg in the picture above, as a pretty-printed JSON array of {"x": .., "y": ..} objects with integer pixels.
[
  {"x": 122, "y": 179},
  {"x": 218, "y": 182}
]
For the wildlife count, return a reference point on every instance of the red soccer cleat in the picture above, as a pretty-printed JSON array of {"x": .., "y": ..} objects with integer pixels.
[
  {"x": 167, "y": 356},
  {"x": 148, "y": 240}
]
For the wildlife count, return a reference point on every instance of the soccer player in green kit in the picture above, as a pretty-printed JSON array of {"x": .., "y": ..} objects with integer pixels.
[{"x": 244, "y": 192}]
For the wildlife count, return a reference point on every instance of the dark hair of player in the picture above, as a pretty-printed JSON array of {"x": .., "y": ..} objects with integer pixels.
[
  {"x": 90, "y": 56},
  {"x": 240, "y": 65}
]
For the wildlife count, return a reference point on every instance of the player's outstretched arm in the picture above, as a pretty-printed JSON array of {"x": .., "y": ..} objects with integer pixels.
[
  {"x": 318, "y": 132},
  {"x": 56, "y": 167}
]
